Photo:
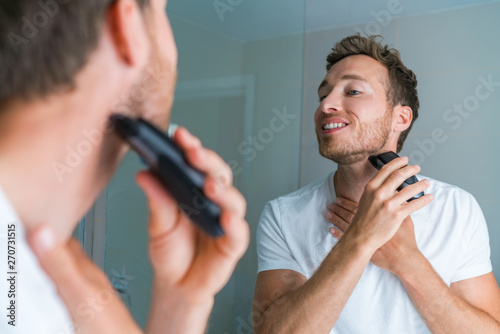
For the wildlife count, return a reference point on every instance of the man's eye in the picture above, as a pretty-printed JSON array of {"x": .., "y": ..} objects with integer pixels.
[
  {"x": 321, "y": 98},
  {"x": 353, "y": 92}
]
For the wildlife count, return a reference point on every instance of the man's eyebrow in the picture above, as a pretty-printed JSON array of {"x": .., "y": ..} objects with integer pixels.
[
  {"x": 353, "y": 77},
  {"x": 322, "y": 84},
  {"x": 344, "y": 77}
]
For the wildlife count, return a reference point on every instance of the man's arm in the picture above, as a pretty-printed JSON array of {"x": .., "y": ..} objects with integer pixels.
[
  {"x": 286, "y": 303},
  {"x": 468, "y": 306}
]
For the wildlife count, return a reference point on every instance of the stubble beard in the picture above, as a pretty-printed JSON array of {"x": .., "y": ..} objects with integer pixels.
[
  {"x": 369, "y": 139},
  {"x": 151, "y": 97}
]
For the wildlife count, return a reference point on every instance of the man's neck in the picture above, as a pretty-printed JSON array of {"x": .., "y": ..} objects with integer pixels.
[
  {"x": 58, "y": 155},
  {"x": 28, "y": 175},
  {"x": 350, "y": 180}
]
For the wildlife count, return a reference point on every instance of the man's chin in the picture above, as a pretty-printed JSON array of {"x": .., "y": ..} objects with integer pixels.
[
  {"x": 345, "y": 159},
  {"x": 342, "y": 156},
  {"x": 348, "y": 153}
]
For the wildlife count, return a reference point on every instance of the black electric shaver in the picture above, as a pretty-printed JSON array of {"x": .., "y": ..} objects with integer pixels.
[
  {"x": 167, "y": 161},
  {"x": 379, "y": 160}
]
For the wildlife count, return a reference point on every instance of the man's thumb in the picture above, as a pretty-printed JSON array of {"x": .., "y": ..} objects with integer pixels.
[{"x": 55, "y": 259}]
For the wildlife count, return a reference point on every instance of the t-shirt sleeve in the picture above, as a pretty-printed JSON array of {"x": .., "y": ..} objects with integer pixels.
[
  {"x": 272, "y": 249},
  {"x": 476, "y": 256}
]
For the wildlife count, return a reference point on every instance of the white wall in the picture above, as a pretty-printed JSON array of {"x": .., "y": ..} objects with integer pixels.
[{"x": 449, "y": 52}]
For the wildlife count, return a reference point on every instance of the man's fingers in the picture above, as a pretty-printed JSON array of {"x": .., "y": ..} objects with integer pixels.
[
  {"x": 399, "y": 176},
  {"x": 60, "y": 264},
  {"x": 346, "y": 215},
  {"x": 387, "y": 170},
  {"x": 164, "y": 209},
  {"x": 185, "y": 139},
  {"x": 203, "y": 159},
  {"x": 228, "y": 198},
  {"x": 336, "y": 233},
  {"x": 211, "y": 164},
  {"x": 337, "y": 221},
  {"x": 347, "y": 204},
  {"x": 417, "y": 204},
  {"x": 236, "y": 237},
  {"x": 88, "y": 269},
  {"x": 224, "y": 252},
  {"x": 409, "y": 191}
]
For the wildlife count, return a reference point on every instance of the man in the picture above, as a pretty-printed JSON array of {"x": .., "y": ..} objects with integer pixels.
[
  {"x": 391, "y": 266},
  {"x": 66, "y": 67}
]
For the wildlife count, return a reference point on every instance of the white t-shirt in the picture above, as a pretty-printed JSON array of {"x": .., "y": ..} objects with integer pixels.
[
  {"x": 451, "y": 232},
  {"x": 38, "y": 308}
]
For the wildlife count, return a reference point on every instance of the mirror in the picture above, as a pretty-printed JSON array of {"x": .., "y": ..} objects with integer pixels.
[{"x": 248, "y": 76}]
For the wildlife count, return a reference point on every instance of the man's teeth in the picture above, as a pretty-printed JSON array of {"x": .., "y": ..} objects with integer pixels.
[{"x": 330, "y": 126}]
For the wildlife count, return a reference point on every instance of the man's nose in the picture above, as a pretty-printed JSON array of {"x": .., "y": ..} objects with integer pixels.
[{"x": 331, "y": 103}]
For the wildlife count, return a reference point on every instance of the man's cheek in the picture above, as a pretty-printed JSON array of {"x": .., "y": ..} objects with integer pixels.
[{"x": 316, "y": 117}]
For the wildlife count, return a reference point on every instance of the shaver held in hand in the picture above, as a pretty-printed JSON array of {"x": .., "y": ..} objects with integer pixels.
[
  {"x": 167, "y": 161},
  {"x": 379, "y": 160}
]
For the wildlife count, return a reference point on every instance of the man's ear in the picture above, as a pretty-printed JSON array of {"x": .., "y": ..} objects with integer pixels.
[
  {"x": 403, "y": 116},
  {"x": 128, "y": 31}
]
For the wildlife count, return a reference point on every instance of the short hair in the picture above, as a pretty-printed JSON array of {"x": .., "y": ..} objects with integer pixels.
[
  {"x": 45, "y": 43},
  {"x": 402, "y": 86}
]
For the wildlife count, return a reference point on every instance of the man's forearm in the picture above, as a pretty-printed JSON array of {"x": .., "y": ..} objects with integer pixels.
[
  {"x": 442, "y": 310},
  {"x": 172, "y": 312},
  {"x": 316, "y": 305}
]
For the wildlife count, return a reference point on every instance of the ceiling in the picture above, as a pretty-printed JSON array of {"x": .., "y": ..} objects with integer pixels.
[{"x": 248, "y": 20}]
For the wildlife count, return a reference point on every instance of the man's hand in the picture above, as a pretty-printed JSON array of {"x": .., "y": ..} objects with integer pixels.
[
  {"x": 382, "y": 208},
  {"x": 189, "y": 265},
  {"x": 92, "y": 302},
  {"x": 394, "y": 254},
  {"x": 474, "y": 302},
  {"x": 341, "y": 213}
]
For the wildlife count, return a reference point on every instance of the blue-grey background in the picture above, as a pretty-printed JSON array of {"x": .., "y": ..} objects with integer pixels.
[{"x": 244, "y": 63}]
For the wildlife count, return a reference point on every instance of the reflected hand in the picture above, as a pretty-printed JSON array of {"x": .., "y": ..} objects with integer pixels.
[
  {"x": 188, "y": 263},
  {"x": 91, "y": 301},
  {"x": 341, "y": 213},
  {"x": 382, "y": 208},
  {"x": 394, "y": 254}
]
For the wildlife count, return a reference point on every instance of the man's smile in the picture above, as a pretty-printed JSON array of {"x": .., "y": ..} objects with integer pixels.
[{"x": 331, "y": 125}]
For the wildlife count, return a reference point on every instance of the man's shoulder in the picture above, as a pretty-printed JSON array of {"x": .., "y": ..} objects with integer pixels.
[
  {"x": 451, "y": 203},
  {"x": 446, "y": 190},
  {"x": 307, "y": 193}
]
